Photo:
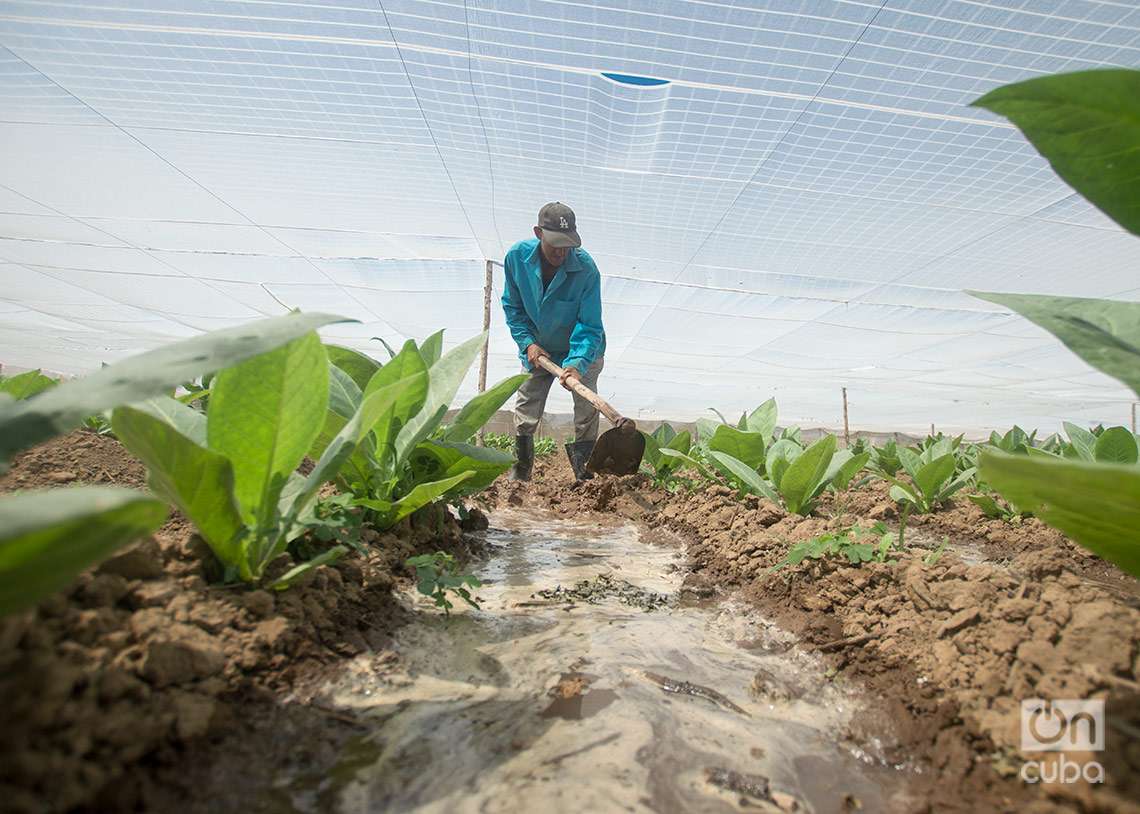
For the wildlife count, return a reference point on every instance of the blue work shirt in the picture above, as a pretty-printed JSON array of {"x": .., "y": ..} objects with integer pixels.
[{"x": 566, "y": 319}]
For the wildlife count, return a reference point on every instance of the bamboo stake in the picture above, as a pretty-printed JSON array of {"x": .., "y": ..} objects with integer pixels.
[
  {"x": 486, "y": 339},
  {"x": 846, "y": 427}
]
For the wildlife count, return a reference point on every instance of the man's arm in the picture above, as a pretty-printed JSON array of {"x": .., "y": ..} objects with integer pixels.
[
  {"x": 520, "y": 325},
  {"x": 586, "y": 338}
]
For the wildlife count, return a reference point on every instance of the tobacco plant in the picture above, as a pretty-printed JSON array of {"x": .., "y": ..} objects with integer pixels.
[
  {"x": 884, "y": 460},
  {"x": 664, "y": 467},
  {"x": 438, "y": 573},
  {"x": 934, "y": 478},
  {"x": 1087, "y": 125},
  {"x": 232, "y": 470},
  {"x": 408, "y": 459},
  {"x": 25, "y": 385},
  {"x": 856, "y": 544},
  {"x": 794, "y": 477},
  {"x": 47, "y": 537}
]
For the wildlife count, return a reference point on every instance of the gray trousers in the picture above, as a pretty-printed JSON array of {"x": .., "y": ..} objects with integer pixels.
[{"x": 532, "y": 401}]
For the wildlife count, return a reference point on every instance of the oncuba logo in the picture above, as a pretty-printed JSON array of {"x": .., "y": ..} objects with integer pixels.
[{"x": 1062, "y": 726}]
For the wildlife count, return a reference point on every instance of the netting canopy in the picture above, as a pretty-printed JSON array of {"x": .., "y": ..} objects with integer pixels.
[{"x": 784, "y": 198}]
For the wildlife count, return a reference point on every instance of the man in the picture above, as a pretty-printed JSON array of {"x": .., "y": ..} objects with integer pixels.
[{"x": 553, "y": 304}]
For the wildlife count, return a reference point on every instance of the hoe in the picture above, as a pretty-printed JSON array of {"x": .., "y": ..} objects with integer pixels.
[{"x": 619, "y": 450}]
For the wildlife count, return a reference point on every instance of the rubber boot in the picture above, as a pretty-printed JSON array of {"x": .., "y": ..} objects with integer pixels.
[
  {"x": 579, "y": 454},
  {"x": 524, "y": 452}
]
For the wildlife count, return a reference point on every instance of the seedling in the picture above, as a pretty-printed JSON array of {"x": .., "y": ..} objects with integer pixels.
[
  {"x": 856, "y": 544},
  {"x": 437, "y": 573}
]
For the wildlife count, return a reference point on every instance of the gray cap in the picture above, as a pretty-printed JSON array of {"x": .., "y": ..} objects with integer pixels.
[{"x": 559, "y": 228}]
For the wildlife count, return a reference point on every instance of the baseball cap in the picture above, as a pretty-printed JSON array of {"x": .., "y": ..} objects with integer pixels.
[{"x": 559, "y": 228}]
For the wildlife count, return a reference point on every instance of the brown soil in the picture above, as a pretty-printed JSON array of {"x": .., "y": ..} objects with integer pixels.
[
  {"x": 1008, "y": 612},
  {"x": 126, "y": 690},
  {"x": 143, "y": 687}
]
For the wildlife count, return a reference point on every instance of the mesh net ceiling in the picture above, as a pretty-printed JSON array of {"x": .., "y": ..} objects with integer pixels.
[{"x": 794, "y": 204}]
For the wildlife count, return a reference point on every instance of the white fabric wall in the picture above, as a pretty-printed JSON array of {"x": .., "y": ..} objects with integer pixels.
[{"x": 798, "y": 210}]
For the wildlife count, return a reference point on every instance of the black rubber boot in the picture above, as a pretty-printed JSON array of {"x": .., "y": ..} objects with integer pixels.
[
  {"x": 579, "y": 454},
  {"x": 524, "y": 452}
]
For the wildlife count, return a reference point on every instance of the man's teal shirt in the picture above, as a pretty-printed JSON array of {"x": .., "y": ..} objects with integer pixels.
[{"x": 566, "y": 320}]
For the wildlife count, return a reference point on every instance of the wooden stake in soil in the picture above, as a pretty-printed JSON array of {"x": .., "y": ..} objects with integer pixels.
[
  {"x": 846, "y": 428},
  {"x": 486, "y": 339}
]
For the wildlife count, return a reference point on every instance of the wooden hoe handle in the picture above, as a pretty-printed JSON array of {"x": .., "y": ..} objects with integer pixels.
[{"x": 589, "y": 395}]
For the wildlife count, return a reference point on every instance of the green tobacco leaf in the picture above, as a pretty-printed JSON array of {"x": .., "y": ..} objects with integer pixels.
[
  {"x": 26, "y": 385},
  {"x": 963, "y": 480},
  {"x": 140, "y": 377},
  {"x": 341, "y": 448},
  {"x": 388, "y": 513},
  {"x": 652, "y": 455},
  {"x": 193, "y": 394},
  {"x": 439, "y": 460},
  {"x": 779, "y": 458},
  {"x": 479, "y": 410},
  {"x": 264, "y": 415},
  {"x": 445, "y": 376},
  {"x": 295, "y": 573},
  {"x": 196, "y": 480},
  {"x": 344, "y": 394},
  {"x": 1104, "y": 333},
  {"x": 432, "y": 348},
  {"x": 903, "y": 493},
  {"x": 679, "y": 442},
  {"x": 1087, "y": 124},
  {"x": 48, "y": 537},
  {"x": 848, "y": 469},
  {"x": 184, "y": 419},
  {"x": 932, "y": 475},
  {"x": 1116, "y": 446},
  {"x": 987, "y": 504},
  {"x": 800, "y": 481},
  {"x": 706, "y": 428},
  {"x": 344, "y": 401},
  {"x": 1083, "y": 441},
  {"x": 1097, "y": 505},
  {"x": 664, "y": 434},
  {"x": 738, "y": 470},
  {"x": 747, "y": 446},
  {"x": 763, "y": 419},
  {"x": 358, "y": 366},
  {"x": 687, "y": 461},
  {"x": 407, "y": 366},
  {"x": 910, "y": 461}
]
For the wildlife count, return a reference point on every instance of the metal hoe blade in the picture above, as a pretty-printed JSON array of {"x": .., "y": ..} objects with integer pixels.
[{"x": 618, "y": 452}]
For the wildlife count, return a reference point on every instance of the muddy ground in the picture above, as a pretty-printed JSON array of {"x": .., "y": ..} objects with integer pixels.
[
  {"x": 1007, "y": 612},
  {"x": 129, "y": 689},
  {"x": 143, "y": 687}
]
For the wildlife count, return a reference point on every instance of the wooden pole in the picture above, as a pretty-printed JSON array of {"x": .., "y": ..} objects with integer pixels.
[
  {"x": 846, "y": 427},
  {"x": 486, "y": 339},
  {"x": 932, "y": 429}
]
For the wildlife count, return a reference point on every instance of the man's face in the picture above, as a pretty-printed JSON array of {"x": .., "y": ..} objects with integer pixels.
[{"x": 554, "y": 256}]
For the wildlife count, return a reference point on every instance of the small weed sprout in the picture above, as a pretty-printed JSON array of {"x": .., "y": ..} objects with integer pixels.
[
  {"x": 856, "y": 544},
  {"x": 934, "y": 556},
  {"x": 437, "y": 573}
]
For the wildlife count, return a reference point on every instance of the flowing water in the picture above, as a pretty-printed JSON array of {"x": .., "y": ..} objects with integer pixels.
[{"x": 548, "y": 705}]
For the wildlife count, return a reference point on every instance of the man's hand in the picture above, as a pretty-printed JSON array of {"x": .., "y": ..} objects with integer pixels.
[
  {"x": 569, "y": 375},
  {"x": 533, "y": 352}
]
